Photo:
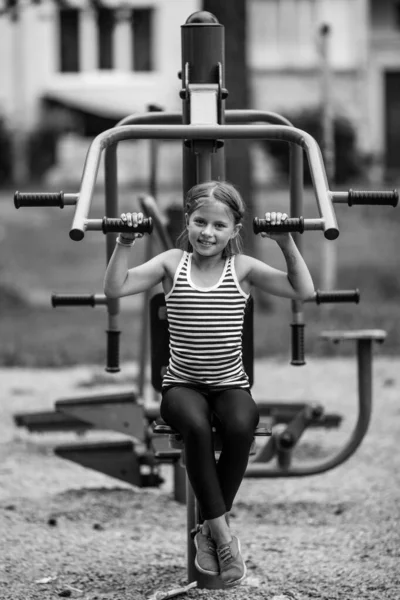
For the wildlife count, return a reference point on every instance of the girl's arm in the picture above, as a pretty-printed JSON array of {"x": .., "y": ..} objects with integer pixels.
[
  {"x": 119, "y": 280},
  {"x": 297, "y": 283}
]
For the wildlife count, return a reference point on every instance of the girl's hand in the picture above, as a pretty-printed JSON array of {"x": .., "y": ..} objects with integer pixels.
[
  {"x": 276, "y": 218},
  {"x": 132, "y": 220}
]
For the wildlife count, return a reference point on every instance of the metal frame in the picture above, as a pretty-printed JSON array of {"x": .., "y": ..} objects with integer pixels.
[{"x": 81, "y": 222}]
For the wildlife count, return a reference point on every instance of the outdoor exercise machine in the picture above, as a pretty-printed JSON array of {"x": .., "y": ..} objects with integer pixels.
[{"x": 203, "y": 127}]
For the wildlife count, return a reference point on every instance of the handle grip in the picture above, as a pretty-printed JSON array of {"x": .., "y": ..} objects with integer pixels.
[
  {"x": 73, "y": 300},
  {"x": 117, "y": 225},
  {"x": 337, "y": 296},
  {"x": 292, "y": 224},
  {"x": 389, "y": 198},
  {"x": 113, "y": 351},
  {"x": 297, "y": 344},
  {"x": 39, "y": 199}
]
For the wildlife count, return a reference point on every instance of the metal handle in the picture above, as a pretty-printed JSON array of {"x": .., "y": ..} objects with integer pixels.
[
  {"x": 297, "y": 344},
  {"x": 207, "y": 132},
  {"x": 44, "y": 199},
  {"x": 117, "y": 225},
  {"x": 293, "y": 224},
  {"x": 113, "y": 351},
  {"x": 77, "y": 300},
  {"x": 337, "y": 296},
  {"x": 389, "y": 198}
]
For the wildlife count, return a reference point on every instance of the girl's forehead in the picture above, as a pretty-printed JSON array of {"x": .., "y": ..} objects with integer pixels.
[{"x": 213, "y": 209}]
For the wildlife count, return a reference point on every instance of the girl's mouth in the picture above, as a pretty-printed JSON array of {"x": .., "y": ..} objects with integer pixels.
[{"x": 206, "y": 243}]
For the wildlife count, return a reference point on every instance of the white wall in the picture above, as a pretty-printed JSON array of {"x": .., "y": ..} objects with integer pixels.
[
  {"x": 283, "y": 34},
  {"x": 29, "y": 48}
]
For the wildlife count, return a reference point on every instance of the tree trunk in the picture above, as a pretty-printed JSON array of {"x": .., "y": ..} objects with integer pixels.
[{"x": 232, "y": 15}]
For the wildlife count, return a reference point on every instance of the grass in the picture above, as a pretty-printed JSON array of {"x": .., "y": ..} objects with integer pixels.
[{"x": 38, "y": 258}]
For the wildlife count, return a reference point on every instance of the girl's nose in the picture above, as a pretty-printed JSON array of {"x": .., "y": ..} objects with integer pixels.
[{"x": 207, "y": 230}]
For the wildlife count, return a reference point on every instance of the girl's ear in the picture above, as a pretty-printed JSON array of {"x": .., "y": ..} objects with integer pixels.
[{"x": 236, "y": 230}]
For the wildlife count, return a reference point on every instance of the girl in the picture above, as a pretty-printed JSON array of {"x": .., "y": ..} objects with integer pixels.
[{"x": 206, "y": 288}]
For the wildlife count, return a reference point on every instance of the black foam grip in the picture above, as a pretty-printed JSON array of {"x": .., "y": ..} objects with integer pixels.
[
  {"x": 337, "y": 296},
  {"x": 51, "y": 199},
  {"x": 389, "y": 198},
  {"x": 292, "y": 224},
  {"x": 113, "y": 351},
  {"x": 73, "y": 300},
  {"x": 117, "y": 225},
  {"x": 297, "y": 344}
]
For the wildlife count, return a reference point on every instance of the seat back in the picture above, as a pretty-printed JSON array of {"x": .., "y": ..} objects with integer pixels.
[{"x": 159, "y": 340}]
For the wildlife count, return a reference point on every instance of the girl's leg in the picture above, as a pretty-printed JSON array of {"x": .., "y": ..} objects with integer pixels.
[
  {"x": 239, "y": 416},
  {"x": 188, "y": 411}
]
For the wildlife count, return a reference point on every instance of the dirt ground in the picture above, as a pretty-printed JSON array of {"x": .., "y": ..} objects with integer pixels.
[{"x": 70, "y": 532}]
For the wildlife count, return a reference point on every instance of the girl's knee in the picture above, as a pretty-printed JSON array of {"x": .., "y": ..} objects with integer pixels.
[
  {"x": 239, "y": 429},
  {"x": 198, "y": 428},
  {"x": 242, "y": 425}
]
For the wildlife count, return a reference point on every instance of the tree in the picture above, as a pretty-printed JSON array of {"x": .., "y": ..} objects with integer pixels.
[{"x": 232, "y": 15}]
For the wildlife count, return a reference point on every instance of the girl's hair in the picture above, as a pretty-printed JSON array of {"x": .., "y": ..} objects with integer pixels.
[{"x": 224, "y": 192}]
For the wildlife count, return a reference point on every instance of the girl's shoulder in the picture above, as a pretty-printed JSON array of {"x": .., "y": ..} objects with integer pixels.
[
  {"x": 171, "y": 259},
  {"x": 243, "y": 264}
]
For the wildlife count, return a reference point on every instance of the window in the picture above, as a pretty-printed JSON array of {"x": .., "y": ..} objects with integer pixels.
[
  {"x": 142, "y": 39},
  {"x": 397, "y": 13},
  {"x": 105, "y": 29},
  {"x": 69, "y": 40}
]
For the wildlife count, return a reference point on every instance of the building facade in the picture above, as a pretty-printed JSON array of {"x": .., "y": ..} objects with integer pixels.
[{"x": 115, "y": 59}]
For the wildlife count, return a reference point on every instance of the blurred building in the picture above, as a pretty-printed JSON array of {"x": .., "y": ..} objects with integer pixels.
[
  {"x": 104, "y": 59},
  {"x": 111, "y": 57},
  {"x": 364, "y": 56}
]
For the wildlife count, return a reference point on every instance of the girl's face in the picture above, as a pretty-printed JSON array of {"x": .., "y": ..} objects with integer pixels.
[{"x": 210, "y": 227}]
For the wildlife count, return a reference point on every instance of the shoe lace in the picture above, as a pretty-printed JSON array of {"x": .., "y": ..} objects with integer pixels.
[
  {"x": 225, "y": 554},
  {"x": 210, "y": 544}
]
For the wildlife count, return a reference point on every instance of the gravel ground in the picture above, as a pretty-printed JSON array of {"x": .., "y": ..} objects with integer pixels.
[{"x": 71, "y": 532}]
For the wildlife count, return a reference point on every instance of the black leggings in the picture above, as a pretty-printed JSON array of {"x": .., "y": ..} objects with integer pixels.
[{"x": 189, "y": 411}]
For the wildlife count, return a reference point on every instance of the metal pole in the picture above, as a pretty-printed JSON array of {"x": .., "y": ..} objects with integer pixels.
[
  {"x": 203, "y": 50},
  {"x": 203, "y": 151},
  {"x": 111, "y": 207},
  {"x": 296, "y": 210},
  {"x": 329, "y": 253},
  {"x": 144, "y": 331},
  {"x": 203, "y": 47}
]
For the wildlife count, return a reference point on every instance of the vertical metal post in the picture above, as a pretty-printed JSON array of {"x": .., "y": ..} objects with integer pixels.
[
  {"x": 113, "y": 305},
  {"x": 364, "y": 375},
  {"x": 203, "y": 59},
  {"x": 180, "y": 483},
  {"x": 144, "y": 329},
  {"x": 203, "y": 169},
  {"x": 203, "y": 50},
  {"x": 296, "y": 210},
  {"x": 154, "y": 148},
  {"x": 329, "y": 254},
  {"x": 191, "y": 522}
]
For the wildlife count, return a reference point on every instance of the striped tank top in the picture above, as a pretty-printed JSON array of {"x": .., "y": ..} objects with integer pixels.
[{"x": 205, "y": 328}]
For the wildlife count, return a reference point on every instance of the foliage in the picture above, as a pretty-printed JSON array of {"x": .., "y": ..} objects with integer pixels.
[
  {"x": 348, "y": 161},
  {"x": 42, "y": 150},
  {"x": 5, "y": 153},
  {"x": 43, "y": 140}
]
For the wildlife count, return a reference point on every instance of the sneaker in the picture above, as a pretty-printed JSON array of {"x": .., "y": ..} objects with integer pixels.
[
  {"x": 206, "y": 560},
  {"x": 231, "y": 564}
]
